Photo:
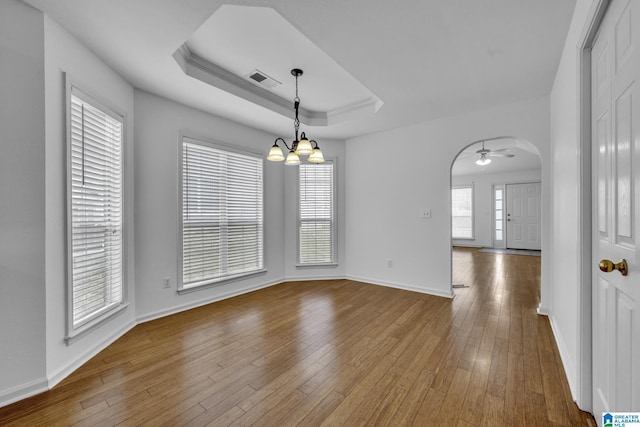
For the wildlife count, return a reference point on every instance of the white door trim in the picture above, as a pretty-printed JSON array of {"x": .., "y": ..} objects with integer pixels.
[{"x": 586, "y": 227}]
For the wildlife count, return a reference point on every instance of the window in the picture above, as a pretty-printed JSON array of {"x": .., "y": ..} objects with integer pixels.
[
  {"x": 498, "y": 192},
  {"x": 316, "y": 223},
  {"x": 95, "y": 191},
  {"x": 221, "y": 218},
  {"x": 462, "y": 212}
]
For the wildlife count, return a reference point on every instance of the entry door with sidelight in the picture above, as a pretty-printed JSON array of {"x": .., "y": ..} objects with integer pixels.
[
  {"x": 523, "y": 216},
  {"x": 615, "y": 65}
]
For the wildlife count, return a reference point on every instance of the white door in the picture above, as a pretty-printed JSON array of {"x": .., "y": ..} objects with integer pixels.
[
  {"x": 523, "y": 216},
  {"x": 616, "y": 168}
]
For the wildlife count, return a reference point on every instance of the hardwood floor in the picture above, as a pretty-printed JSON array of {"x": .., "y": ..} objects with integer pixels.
[{"x": 332, "y": 353}]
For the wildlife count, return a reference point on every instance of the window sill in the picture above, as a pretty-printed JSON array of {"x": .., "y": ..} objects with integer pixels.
[
  {"x": 95, "y": 323},
  {"x": 217, "y": 282},
  {"x": 318, "y": 265}
]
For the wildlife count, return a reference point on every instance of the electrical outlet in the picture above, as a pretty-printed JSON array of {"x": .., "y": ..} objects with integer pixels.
[
  {"x": 389, "y": 263},
  {"x": 167, "y": 282}
]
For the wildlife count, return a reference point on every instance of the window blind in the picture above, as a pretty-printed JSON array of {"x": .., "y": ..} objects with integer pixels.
[
  {"x": 222, "y": 209},
  {"x": 316, "y": 214},
  {"x": 462, "y": 212},
  {"x": 96, "y": 210}
]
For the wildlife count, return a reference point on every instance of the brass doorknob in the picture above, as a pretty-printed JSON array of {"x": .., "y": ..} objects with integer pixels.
[{"x": 608, "y": 266}]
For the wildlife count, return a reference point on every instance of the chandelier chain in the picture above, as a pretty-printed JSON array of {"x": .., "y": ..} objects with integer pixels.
[{"x": 296, "y": 100}]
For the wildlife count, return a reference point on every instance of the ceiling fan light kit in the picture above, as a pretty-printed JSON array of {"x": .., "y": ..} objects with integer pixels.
[
  {"x": 485, "y": 153},
  {"x": 483, "y": 160},
  {"x": 299, "y": 147}
]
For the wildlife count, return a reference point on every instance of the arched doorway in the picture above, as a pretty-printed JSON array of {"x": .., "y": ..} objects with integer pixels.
[{"x": 496, "y": 187}]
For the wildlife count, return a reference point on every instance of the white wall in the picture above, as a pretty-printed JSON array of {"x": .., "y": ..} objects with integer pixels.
[
  {"x": 159, "y": 123},
  {"x": 64, "y": 54},
  {"x": 564, "y": 310},
  {"x": 22, "y": 191},
  {"x": 483, "y": 201},
  {"x": 392, "y": 176}
]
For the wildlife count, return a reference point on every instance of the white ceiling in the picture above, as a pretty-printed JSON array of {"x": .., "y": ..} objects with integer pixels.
[
  {"x": 224, "y": 54},
  {"x": 424, "y": 59},
  {"x": 259, "y": 42},
  {"x": 526, "y": 157}
]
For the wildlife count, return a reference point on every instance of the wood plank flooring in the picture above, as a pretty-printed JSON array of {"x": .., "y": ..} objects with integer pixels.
[{"x": 332, "y": 353}]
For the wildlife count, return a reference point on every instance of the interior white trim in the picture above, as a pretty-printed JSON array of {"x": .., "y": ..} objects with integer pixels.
[
  {"x": 203, "y": 301},
  {"x": 307, "y": 279},
  {"x": 207, "y": 72},
  {"x": 583, "y": 391},
  {"x": 23, "y": 391},
  {"x": 199, "y": 68},
  {"x": 403, "y": 286},
  {"x": 570, "y": 370},
  {"x": 40, "y": 385},
  {"x": 65, "y": 371},
  {"x": 543, "y": 311}
]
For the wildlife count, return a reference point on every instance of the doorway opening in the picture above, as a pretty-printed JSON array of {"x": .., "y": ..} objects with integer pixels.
[{"x": 496, "y": 201}]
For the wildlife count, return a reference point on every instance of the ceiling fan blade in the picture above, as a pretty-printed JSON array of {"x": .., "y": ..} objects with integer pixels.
[
  {"x": 492, "y": 154},
  {"x": 499, "y": 150}
]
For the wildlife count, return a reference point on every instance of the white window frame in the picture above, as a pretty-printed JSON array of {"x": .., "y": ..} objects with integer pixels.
[
  {"x": 224, "y": 278},
  {"x": 497, "y": 243},
  {"x": 334, "y": 224},
  {"x": 76, "y": 329},
  {"x": 473, "y": 216}
]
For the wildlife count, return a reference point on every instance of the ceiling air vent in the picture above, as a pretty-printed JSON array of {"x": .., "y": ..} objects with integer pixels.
[{"x": 264, "y": 80}]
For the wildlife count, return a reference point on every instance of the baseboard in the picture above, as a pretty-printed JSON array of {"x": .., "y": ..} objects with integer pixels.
[
  {"x": 205, "y": 301},
  {"x": 199, "y": 303},
  {"x": 67, "y": 370},
  {"x": 32, "y": 388},
  {"x": 14, "y": 394},
  {"x": 403, "y": 286},
  {"x": 569, "y": 369},
  {"x": 543, "y": 311},
  {"x": 308, "y": 279}
]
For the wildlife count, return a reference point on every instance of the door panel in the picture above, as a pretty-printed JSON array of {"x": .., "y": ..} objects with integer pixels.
[
  {"x": 624, "y": 338},
  {"x": 602, "y": 141},
  {"x": 623, "y": 165},
  {"x": 616, "y": 162},
  {"x": 601, "y": 323},
  {"x": 523, "y": 216}
]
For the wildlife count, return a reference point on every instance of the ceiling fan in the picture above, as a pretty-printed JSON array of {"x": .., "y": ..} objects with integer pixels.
[{"x": 485, "y": 153}]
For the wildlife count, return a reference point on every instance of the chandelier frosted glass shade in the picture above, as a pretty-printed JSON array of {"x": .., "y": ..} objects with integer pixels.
[
  {"x": 292, "y": 158},
  {"x": 304, "y": 146},
  {"x": 275, "y": 154},
  {"x": 316, "y": 156}
]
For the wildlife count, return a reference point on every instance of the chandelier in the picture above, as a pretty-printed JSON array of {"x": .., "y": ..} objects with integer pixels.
[{"x": 299, "y": 147}]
